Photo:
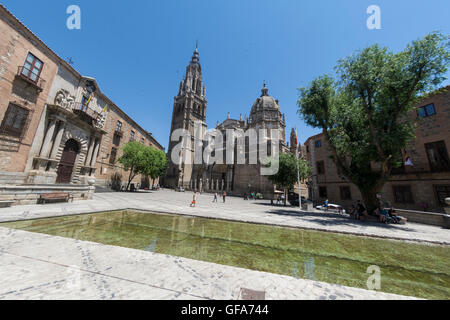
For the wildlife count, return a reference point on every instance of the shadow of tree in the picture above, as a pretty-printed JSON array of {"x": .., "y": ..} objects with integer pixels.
[{"x": 331, "y": 219}]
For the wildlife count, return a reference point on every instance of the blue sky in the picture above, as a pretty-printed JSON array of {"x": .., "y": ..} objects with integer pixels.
[{"x": 138, "y": 50}]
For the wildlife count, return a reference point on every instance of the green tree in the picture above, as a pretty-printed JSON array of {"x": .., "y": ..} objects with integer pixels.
[
  {"x": 365, "y": 115},
  {"x": 287, "y": 175},
  {"x": 156, "y": 163},
  {"x": 139, "y": 159}
]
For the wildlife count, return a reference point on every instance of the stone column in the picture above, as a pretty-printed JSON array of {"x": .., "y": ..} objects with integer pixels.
[
  {"x": 201, "y": 185},
  {"x": 88, "y": 159},
  {"x": 207, "y": 184},
  {"x": 195, "y": 184},
  {"x": 46, "y": 147},
  {"x": 58, "y": 139},
  {"x": 223, "y": 185},
  {"x": 95, "y": 154},
  {"x": 217, "y": 184}
]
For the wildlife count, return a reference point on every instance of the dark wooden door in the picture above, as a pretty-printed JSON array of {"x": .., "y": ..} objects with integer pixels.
[{"x": 67, "y": 162}]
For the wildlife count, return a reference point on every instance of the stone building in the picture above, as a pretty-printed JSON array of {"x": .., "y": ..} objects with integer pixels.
[
  {"x": 420, "y": 184},
  {"x": 27, "y": 69},
  {"x": 121, "y": 129},
  {"x": 55, "y": 123},
  {"x": 190, "y": 110}
]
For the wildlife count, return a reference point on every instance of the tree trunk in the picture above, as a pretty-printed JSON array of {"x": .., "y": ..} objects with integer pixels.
[
  {"x": 370, "y": 199},
  {"x": 130, "y": 178}
]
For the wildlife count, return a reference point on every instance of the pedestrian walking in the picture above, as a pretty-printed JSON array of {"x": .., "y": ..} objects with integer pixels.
[
  {"x": 194, "y": 199},
  {"x": 224, "y": 196},
  {"x": 215, "y": 197}
]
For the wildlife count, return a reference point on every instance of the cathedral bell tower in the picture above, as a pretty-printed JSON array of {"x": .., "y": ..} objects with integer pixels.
[{"x": 189, "y": 108}]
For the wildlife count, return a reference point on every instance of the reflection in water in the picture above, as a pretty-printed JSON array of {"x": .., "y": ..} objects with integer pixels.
[
  {"x": 295, "y": 270},
  {"x": 152, "y": 247},
  {"x": 309, "y": 269},
  {"x": 410, "y": 269}
]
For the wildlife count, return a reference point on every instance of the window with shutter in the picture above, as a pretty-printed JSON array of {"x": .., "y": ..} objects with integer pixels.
[{"x": 14, "y": 121}]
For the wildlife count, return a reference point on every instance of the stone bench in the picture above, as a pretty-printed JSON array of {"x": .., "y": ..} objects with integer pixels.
[
  {"x": 6, "y": 203},
  {"x": 371, "y": 218},
  {"x": 56, "y": 196},
  {"x": 430, "y": 218}
]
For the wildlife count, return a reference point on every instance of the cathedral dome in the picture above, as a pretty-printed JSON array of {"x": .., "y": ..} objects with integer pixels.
[{"x": 265, "y": 102}]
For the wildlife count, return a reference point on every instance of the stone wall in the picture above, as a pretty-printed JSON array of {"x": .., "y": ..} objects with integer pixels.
[
  {"x": 15, "y": 44},
  {"x": 25, "y": 195},
  {"x": 105, "y": 170}
]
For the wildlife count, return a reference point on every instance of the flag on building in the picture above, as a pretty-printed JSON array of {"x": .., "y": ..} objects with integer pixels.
[
  {"x": 89, "y": 100},
  {"x": 105, "y": 108}
]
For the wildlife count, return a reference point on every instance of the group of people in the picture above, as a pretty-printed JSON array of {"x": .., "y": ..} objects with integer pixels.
[
  {"x": 194, "y": 198},
  {"x": 359, "y": 212},
  {"x": 250, "y": 196},
  {"x": 386, "y": 215},
  {"x": 280, "y": 199}
]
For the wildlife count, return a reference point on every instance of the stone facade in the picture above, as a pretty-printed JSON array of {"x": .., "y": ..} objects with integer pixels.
[
  {"x": 420, "y": 186},
  {"x": 19, "y": 95},
  {"x": 190, "y": 109},
  {"x": 107, "y": 167},
  {"x": 56, "y": 125}
]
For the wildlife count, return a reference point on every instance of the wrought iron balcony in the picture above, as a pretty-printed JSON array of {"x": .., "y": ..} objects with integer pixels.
[
  {"x": 85, "y": 113},
  {"x": 36, "y": 81},
  {"x": 118, "y": 132}
]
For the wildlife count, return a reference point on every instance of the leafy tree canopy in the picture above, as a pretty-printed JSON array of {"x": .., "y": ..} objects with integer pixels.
[
  {"x": 139, "y": 159},
  {"x": 364, "y": 114},
  {"x": 287, "y": 177}
]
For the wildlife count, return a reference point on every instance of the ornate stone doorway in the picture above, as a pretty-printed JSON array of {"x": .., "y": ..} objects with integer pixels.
[{"x": 67, "y": 162}]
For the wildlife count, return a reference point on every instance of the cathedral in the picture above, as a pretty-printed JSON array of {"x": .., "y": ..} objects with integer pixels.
[{"x": 189, "y": 113}]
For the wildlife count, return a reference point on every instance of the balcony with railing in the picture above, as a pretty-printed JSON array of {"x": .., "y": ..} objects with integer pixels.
[
  {"x": 118, "y": 132},
  {"x": 32, "y": 79},
  {"x": 85, "y": 113}
]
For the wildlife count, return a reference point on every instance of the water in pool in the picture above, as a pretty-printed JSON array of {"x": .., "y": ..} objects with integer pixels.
[{"x": 410, "y": 269}]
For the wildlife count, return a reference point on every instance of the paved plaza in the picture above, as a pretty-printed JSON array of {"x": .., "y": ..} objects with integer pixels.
[
  {"x": 39, "y": 266},
  {"x": 259, "y": 211}
]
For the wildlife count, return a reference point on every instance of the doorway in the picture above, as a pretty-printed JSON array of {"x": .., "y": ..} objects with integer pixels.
[{"x": 65, "y": 169}]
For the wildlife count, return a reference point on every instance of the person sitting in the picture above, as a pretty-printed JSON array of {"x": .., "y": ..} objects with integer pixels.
[
  {"x": 361, "y": 210},
  {"x": 352, "y": 212},
  {"x": 393, "y": 215},
  {"x": 382, "y": 215}
]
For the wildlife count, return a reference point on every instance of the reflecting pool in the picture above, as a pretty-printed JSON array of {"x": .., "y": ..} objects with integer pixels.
[{"x": 418, "y": 270}]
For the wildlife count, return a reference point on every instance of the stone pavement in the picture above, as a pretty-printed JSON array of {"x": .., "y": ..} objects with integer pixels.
[
  {"x": 234, "y": 209},
  {"x": 38, "y": 266}
]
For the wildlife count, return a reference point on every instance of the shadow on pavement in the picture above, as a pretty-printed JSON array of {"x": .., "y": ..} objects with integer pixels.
[{"x": 337, "y": 219}]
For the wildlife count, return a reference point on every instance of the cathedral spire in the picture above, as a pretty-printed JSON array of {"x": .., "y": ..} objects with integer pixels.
[{"x": 195, "y": 57}]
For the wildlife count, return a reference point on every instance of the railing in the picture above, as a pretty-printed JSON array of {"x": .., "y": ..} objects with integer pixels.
[
  {"x": 86, "y": 113},
  {"x": 24, "y": 74}
]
